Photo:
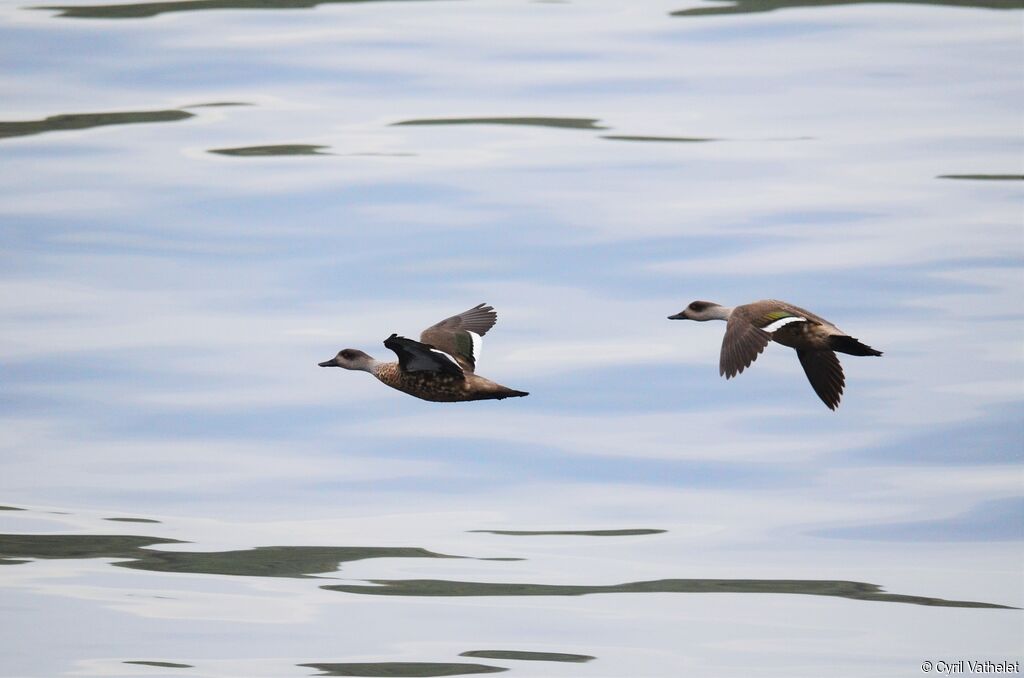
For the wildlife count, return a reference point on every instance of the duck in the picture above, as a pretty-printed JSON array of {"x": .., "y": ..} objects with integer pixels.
[
  {"x": 750, "y": 327},
  {"x": 441, "y": 366}
]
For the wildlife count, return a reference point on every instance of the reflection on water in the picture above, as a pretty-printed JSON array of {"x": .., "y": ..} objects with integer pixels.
[
  {"x": 842, "y": 589},
  {"x": 571, "y": 123},
  {"x": 263, "y": 561},
  {"x": 218, "y": 104},
  {"x": 75, "y": 121},
  {"x": 753, "y": 6},
  {"x": 402, "y": 669},
  {"x": 984, "y": 177},
  {"x": 162, "y": 665},
  {"x": 585, "y": 533},
  {"x": 272, "y": 561},
  {"x": 629, "y": 137},
  {"x": 75, "y": 546},
  {"x": 161, "y": 303},
  {"x": 304, "y": 561},
  {"x": 278, "y": 149},
  {"x": 10, "y": 508},
  {"x": 528, "y": 656},
  {"x": 143, "y": 10},
  {"x": 132, "y": 520}
]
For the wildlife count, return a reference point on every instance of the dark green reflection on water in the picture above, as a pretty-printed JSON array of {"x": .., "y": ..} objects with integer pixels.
[
  {"x": 678, "y": 140},
  {"x": 842, "y": 589},
  {"x": 271, "y": 561},
  {"x": 75, "y": 121},
  {"x": 163, "y": 665},
  {"x": 76, "y": 546},
  {"x": 132, "y": 520},
  {"x": 264, "y": 561},
  {"x": 754, "y": 6},
  {"x": 400, "y": 669},
  {"x": 528, "y": 656},
  {"x": 984, "y": 177},
  {"x": 279, "y": 149},
  {"x": 568, "y": 123},
  {"x": 10, "y": 508},
  {"x": 143, "y": 10},
  {"x": 582, "y": 533}
]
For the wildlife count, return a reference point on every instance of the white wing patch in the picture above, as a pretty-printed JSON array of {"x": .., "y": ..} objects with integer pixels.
[
  {"x": 775, "y": 326},
  {"x": 478, "y": 344},
  {"x": 447, "y": 356}
]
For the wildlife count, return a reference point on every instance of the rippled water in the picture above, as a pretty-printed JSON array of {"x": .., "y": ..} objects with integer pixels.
[{"x": 199, "y": 206}]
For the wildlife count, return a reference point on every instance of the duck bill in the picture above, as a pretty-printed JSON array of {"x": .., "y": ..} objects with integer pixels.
[
  {"x": 677, "y": 316},
  {"x": 333, "y": 362}
]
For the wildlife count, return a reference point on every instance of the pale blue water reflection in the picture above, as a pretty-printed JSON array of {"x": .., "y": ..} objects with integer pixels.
[{"x": 165, "y": 306}]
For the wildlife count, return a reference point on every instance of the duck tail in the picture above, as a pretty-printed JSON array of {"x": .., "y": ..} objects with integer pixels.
[
  {"x": 850, "y": 346},
  {"x": 508, "y": 393}
]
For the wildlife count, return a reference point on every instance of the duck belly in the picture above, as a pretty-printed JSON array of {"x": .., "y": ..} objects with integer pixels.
[
  {"x": 802, "y": 336},
  {"x": 433, "y": 386}
]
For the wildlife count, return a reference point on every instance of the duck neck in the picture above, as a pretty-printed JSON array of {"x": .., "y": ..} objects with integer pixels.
[{"x": 719, "y": 312}]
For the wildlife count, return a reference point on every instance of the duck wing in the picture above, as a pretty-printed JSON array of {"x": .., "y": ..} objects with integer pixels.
[
  {"x": 414, "y": 356},
  {"x": 460, "y": 335},
  {"x": 752, "y": 326},
  {"x": 744, "y": 340},
  {"x": 825, "y": 374}
]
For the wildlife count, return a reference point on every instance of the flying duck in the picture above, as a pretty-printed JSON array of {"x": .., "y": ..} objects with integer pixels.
[
  {"x": 440, "y": 367},
  {"x": 750, "y": 327}
]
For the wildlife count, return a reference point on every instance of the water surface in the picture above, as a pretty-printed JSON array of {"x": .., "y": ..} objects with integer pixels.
[{"x": 201, "y": 200}]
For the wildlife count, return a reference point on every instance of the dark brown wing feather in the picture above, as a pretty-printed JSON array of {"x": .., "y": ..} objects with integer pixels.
[
  {"x": 478, "y": 319},
  {"x": 825, "y": 374},
  {"x": 451, "y": 335},
  {"x": 743, "y": 342}
]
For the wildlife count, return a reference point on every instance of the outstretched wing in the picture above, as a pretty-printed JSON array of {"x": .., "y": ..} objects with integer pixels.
[
  {"x": 825, "y": 374},
  {"x": 416, "y": 357},
  {"x": 744, "y": 340},
  {"x": 752, "y": 326},
  {"x": 459, "y": 336}
]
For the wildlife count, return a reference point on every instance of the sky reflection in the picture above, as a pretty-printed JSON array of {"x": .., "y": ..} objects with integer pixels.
[{"x": 588, "y": 169}]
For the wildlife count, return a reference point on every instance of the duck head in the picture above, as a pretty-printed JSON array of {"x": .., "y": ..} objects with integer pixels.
[
  {"x": 702, "y": 310},
  {"x": 350, "y": 359}
]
